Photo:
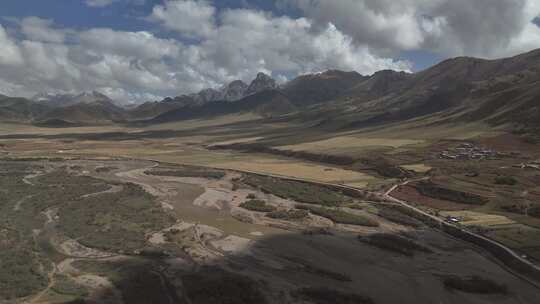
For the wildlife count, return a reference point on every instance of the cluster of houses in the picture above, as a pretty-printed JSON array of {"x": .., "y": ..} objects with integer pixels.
[{"x": 469, "y": 151}]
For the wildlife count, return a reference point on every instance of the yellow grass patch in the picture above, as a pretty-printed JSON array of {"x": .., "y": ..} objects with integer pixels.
[
  {"x": 420, "y": 168},
  {"x": 198, "y": 123},
  {"x": 237, "y": 141},
  {"x": 302, "y": 170},
  {"x": 350, "y": 143}
]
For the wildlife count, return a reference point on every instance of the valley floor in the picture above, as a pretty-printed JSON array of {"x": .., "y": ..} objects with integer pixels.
[{"x": 194, "y": 212}]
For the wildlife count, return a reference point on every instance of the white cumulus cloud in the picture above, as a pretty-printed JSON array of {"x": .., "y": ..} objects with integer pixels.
[
  {"x": 484, "y": 28},
  {"x": 99, "y": 3},
  {"x": 214, "y": 46},
  {"x": 191, "y": 18}
]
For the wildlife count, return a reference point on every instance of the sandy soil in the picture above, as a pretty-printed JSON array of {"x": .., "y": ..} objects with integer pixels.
[{"x": 73, "y": 248}]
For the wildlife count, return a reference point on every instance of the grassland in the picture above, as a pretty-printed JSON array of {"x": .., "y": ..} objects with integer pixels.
[
  {"x": 419, "y": 168},
  {"x": 290, "y": 215},
  {"x": 350, "y": 145},
  {"x": 257, "y": 205}
]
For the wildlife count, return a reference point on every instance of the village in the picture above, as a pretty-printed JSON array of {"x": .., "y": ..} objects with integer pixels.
[{"x": 467, "y": 151}]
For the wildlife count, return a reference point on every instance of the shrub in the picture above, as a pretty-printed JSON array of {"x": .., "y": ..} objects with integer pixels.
[
  {"x": 329, "y": 296},
  {"x": 292, "y": 214},
  {"x": 396, "y": 216},
  {"x": 506, "y": 180},
  {"x": 435, "y": 191},
  {"x": 341, "y": 217},
  {"x": 66, "y": 286},
  {"x": 395, "y": 243},
  {"x": 188, "y": 172},
  {"x": 298, "y": 191},
  {"x": 257, "y": 205},
  {"x": 474, "y": 284}
]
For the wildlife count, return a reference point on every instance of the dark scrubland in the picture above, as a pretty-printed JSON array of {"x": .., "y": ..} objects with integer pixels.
[
  {"x": 432, "y": 190},
  {"x": 396, "y": 216},
  {"x": 325, "y": 295},
  {"x": 290, "y": 215},
  {"x": 340, "y": 216},
  {"x": 187, "y": 171},
  {"x": 138, "y": 280},
  {"x": 474, "y": 284},
  {"x": 506, "y": 180},
  {"x": 215, "y": 286},
  {"x": 396, "y": 243},
  {"x": 257, "y": 205},
  {"x": 64, "y": 285},
  {"x": 298, "y": 191}
]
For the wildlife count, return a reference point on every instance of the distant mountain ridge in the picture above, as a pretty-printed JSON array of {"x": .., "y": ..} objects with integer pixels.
[
  {"x": 232, "y": 92},
  {"x": 503, "y": 92},
  {"x": 64, "y": 100}
]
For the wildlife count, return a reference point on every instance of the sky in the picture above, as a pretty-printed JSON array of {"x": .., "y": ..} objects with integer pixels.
[{"x": 143, "y": 50}]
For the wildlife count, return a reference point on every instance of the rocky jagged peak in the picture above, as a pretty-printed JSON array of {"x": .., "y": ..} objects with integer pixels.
[
  {"x": 235, "y": 90},
  {"x": 261, "y": 83}
]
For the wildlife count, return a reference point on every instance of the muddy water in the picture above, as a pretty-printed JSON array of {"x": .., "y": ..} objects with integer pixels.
[{"x": 187, "y": 211}]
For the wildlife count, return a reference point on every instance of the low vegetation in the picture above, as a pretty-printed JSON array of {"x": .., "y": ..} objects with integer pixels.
[
  {"x": 398, "y": 217},
  {"x": 114, "y": 221},
  {"x": 474, "y": 284},
  {"x": 139, "y": 280},
  {"x": 506, "y": 180},
  {"x": 432, "y": 190},
  {"x": 317, "y": 270},
  {"x": 257, "y": 205},
  {"x": 188, "y": 172},
  {"x": 21, "y": 274},
  {"x": 215, "y": 286},
  {"x": 24, "y": 266},
  {"x": 298, "y": 191},
  {"x": 329, "y": 296},
  {"x": 66, "y": 286},
  {"x": 290, "y": 215},
  {"x": 105, "y": 169},
  {"x": 395, "y": 243},
  {"x": 340, "y": 216}
]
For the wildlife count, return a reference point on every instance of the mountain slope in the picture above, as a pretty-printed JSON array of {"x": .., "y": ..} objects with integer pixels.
[
  {"x": 19, "y": 109},
  {"x": 316, "y": 88},
  {"x": 97, "y": 112},
  {"x": 458, "y": 90},
  {"x": 267, "y": 103},
  {"x": 64, "y": 100}
]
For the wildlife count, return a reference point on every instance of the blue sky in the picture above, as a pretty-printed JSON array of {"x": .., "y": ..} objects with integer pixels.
[{"x": 143, "y": 49}]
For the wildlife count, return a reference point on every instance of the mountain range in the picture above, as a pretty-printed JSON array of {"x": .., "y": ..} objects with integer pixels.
[{"x": 503, "y": 92}]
